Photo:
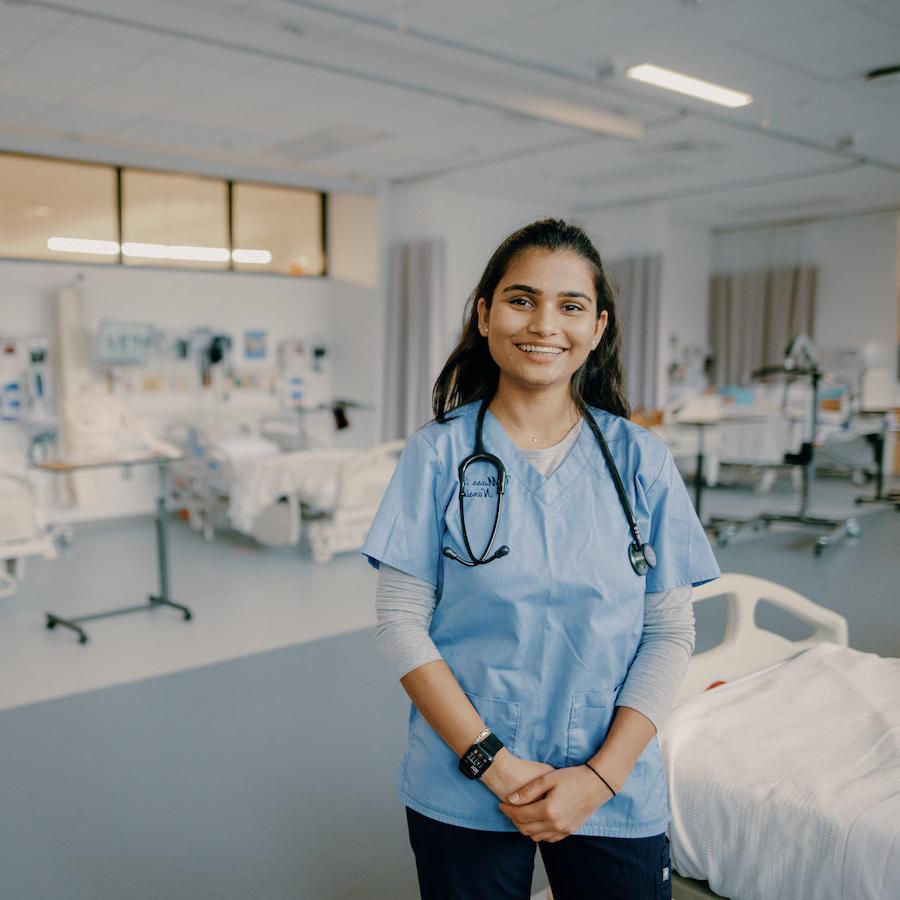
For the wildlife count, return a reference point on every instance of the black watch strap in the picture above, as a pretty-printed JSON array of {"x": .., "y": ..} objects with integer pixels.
[{"x": 478, "y": 758}]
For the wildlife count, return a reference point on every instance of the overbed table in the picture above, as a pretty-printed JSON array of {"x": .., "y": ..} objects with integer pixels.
[{"x": 126, "y": 460}]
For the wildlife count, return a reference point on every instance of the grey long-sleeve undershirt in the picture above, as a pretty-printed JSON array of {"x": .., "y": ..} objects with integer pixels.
[{"x": 405, "y": 604}]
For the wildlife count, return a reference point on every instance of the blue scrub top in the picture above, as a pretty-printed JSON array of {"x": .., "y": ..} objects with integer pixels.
[{"x": 540, "y": 640}]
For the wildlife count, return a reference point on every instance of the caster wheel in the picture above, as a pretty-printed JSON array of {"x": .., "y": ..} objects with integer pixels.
[
  {"x": 50, "y": 625},
  {"x": 82, "y": 639},
  {"x": 817, "y": 550},
  {"x": 188, "y": 617}
]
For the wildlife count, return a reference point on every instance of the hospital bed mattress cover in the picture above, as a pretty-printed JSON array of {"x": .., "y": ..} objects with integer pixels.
[
  {"x": 258, "y": 483},
  {"x": 785, "y": 783}
]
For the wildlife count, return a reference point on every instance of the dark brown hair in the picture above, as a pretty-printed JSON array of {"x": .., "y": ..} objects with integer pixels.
[{"x": 470, "y": 372}]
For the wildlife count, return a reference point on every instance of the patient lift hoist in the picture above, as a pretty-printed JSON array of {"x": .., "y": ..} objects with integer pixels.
[{"x": 800, "y": 360}]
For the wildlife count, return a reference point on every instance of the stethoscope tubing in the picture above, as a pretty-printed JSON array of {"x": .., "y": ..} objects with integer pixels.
[{"x": 640, "y": 555}]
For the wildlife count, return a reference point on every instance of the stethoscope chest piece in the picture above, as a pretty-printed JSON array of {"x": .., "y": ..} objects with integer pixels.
[{"x": 642, "y": 558}]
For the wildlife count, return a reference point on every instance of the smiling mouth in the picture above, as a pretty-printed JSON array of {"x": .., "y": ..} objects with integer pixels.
[{"x": 539, "y": 351}]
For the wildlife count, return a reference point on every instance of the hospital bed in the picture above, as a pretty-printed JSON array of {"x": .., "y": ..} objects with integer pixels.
[
  {"x": 753, "y": 428},
  {"x": 22, "y": 531},
  {"x": 234, "y": 477},
  {"x": 783, "y": 780},
  {"x": 333, "y": 493},
  {"x": 212, "y": 452}
]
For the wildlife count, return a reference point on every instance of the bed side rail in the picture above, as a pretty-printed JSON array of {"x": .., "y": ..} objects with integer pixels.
[{"x": 745, "y": 646}]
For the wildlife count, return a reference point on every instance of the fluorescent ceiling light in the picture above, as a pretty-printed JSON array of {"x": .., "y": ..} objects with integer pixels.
[
  {"x": 180, "y": 252},
  {"x": 83, "y": 245},
  {"x": 201, "y": 254},
  {"x": 137, "y": 250},
  {"x": 251, "y": 256},
  {"x": 145, "y": 251},
  {"x": 685, "y": 84}
]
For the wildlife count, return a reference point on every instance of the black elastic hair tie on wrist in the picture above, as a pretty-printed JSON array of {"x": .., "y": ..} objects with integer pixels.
[{"x": 601, "y": 778}]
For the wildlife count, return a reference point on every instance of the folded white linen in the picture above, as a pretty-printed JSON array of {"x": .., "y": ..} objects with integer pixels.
[{"x": 785, "y": 783}]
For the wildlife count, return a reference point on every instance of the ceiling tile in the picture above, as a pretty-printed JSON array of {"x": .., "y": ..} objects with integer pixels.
[
  {"x": 82, "y": 119},
  {"x": 98, "y": 31},
  {"x": 487, "y": 16},
  {"x": 819, "y": 36},
  {"x": 883, "y": 10},
  {"x": 17, "y": 108},
  {"x": 22, "y": 17}
]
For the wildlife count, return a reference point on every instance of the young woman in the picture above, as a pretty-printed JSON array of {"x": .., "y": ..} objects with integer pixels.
[{"x": 535, "y": 599}]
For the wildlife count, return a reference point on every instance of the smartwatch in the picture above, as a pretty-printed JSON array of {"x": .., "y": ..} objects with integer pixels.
[{"x": 476, "y": 760}]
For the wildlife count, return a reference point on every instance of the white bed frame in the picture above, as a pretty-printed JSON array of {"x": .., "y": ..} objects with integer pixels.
[{"x": 746, "y": 648}]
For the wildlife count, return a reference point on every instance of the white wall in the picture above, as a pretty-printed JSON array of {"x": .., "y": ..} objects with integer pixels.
[
  {"x": 688, "y": 265},
  {"x": 628, "y": 231},
  {"x": 857, "y": 302}
]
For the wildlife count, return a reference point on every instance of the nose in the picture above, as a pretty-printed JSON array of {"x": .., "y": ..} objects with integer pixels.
[{"x": 542, "y": 322}]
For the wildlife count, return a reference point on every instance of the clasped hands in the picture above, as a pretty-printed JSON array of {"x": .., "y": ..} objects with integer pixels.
[{"x": 544, "y": 803}]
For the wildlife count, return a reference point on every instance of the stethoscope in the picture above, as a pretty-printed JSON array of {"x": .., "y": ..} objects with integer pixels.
[{"x": 640, "y": 555}]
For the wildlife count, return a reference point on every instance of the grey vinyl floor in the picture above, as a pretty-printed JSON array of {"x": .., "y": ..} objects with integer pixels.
[
  {"x": 269, "y": 776},
  {"x": 272, "y": 774}
]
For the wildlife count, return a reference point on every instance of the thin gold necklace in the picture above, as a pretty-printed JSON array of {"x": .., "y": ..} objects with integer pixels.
[{"x": 534, "y": 439}]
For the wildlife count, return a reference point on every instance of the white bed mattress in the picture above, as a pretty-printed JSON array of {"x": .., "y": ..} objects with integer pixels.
[
  {"x": 258, "y": 483},
  {"x": 785, "y": 783}
]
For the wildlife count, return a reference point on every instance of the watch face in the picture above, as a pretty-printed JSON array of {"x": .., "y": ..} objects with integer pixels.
[{"x": 475, "y": 761}]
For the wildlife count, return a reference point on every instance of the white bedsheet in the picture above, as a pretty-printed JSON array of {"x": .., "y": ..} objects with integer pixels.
[
  {"x": 258, "y": 483},
  {"x": 785, "y": 783}
]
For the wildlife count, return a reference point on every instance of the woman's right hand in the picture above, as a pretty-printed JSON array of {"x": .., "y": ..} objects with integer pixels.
[{"x": 507, "y": 773}]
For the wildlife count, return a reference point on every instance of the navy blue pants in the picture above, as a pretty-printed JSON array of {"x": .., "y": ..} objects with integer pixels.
[{"x": 464, "y": 864}]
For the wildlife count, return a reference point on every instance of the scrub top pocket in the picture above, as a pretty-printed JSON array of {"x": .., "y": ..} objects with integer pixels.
[
  {"x": 589, "y": 720},
  {"x": 501, "y": 716}
]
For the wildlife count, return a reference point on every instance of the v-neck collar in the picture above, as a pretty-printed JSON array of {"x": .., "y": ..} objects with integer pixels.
[{"x": 546, "y": 488}]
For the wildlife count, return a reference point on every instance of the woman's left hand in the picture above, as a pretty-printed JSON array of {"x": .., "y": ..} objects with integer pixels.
[{"x": 556, "y": 804}]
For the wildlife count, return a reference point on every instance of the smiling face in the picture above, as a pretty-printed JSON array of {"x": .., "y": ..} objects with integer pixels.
[{"x": 542, "y": 323}]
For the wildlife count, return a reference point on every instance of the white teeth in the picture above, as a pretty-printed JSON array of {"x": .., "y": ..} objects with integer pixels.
[{"x": 531, "y": 348}]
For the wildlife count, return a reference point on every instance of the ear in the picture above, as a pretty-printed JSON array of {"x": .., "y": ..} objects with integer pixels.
[
  {"x": 599, "y": 328},
  {"x": 483, "y": 315}
]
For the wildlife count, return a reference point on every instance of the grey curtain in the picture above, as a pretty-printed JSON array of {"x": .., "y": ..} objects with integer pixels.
[
  {"x": 753, "y": 316},
  {"x": 636, "y": 284},
  {"x": 415, "y": 310}
]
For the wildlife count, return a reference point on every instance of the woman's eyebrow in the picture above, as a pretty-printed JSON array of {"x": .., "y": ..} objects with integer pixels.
[{"x": 524, "y": 288}]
